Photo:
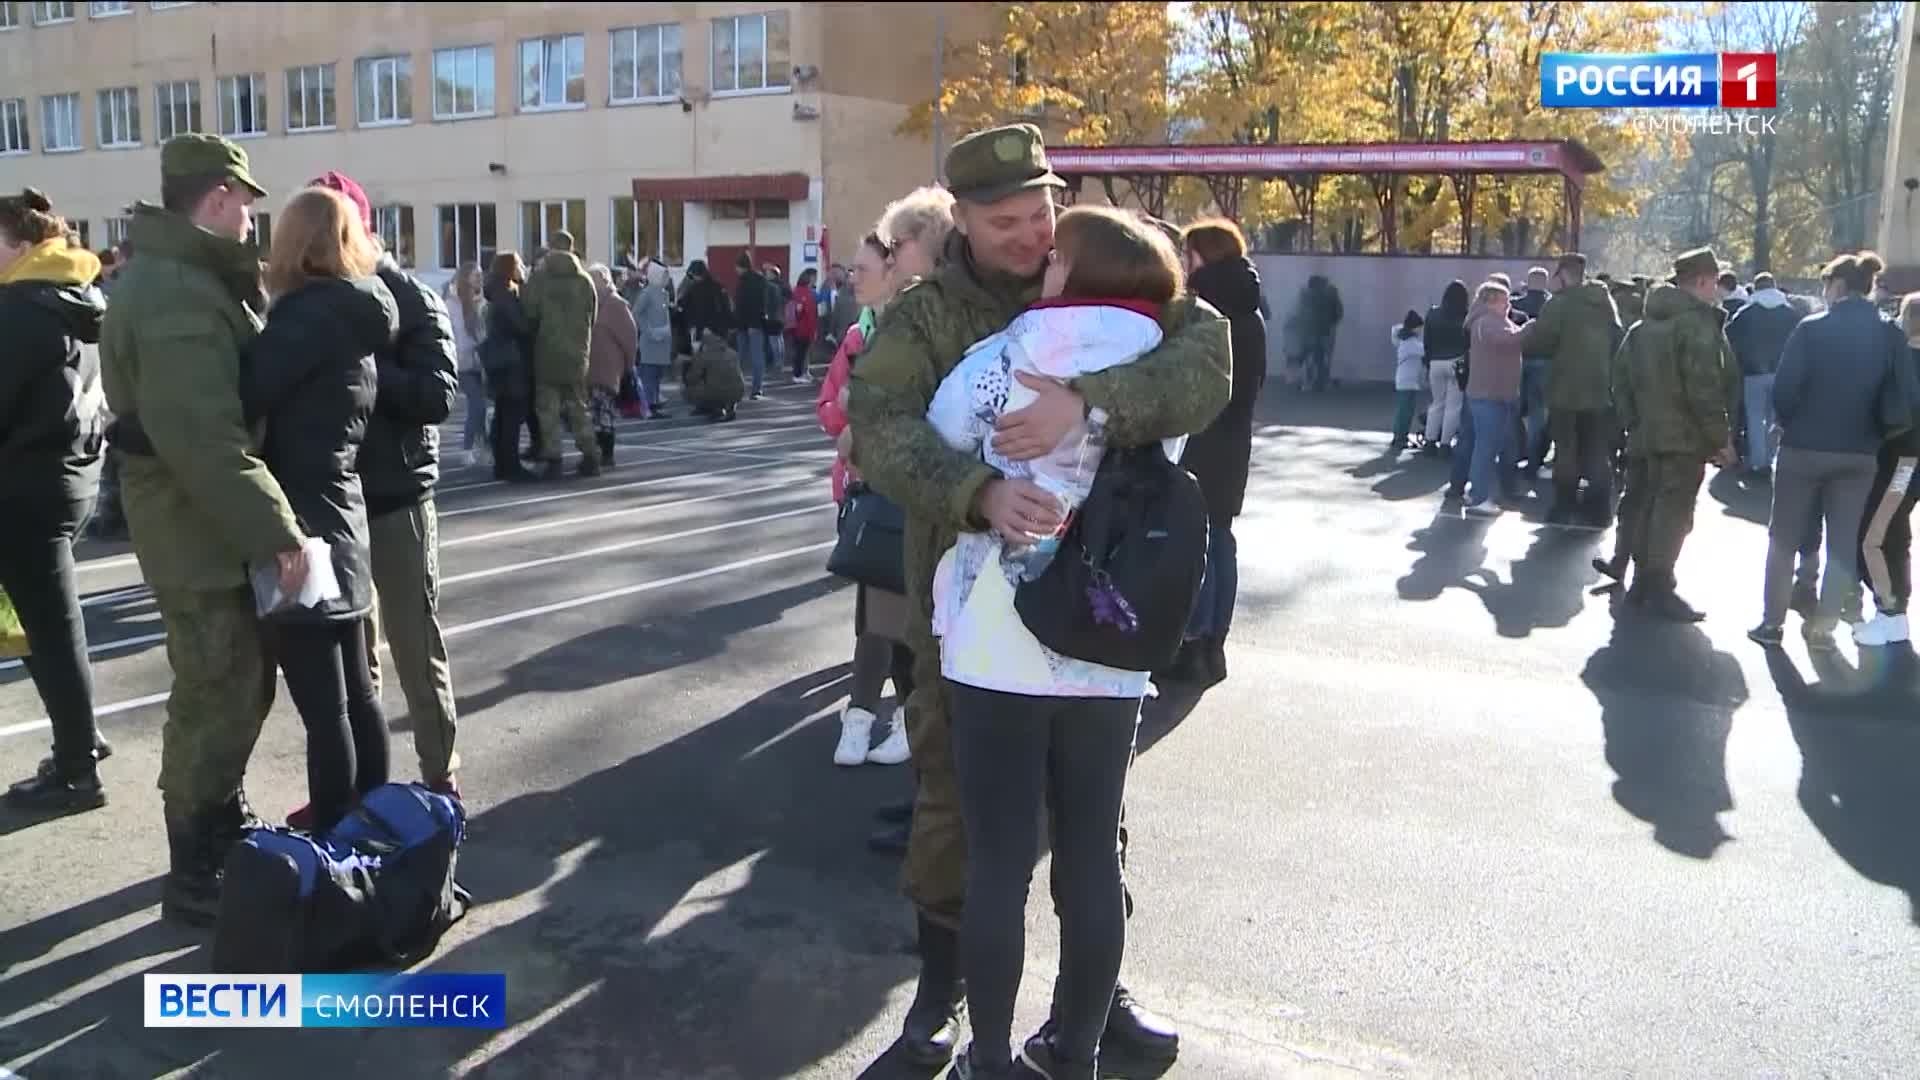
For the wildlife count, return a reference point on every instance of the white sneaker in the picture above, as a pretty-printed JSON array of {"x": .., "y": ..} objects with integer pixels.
[
  {"x": 893, "y": 749},
  {"x": 1881, "y": 630},
  {"x": 856, "y": 737}
]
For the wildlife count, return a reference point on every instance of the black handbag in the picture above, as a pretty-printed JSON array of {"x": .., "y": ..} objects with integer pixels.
[
  {"x": 1121, "y": 588},
  {"x": 872, "y": 545}
]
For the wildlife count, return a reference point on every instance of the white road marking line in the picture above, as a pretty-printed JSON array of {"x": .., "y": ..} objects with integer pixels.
[
  {"x": 623, "y": 591},
  {"x": 626, "y": 545},
  {"x": 744, "y": 453},
  {"x": 105, "y": 564},
  {"x": 581, "y": 493}
]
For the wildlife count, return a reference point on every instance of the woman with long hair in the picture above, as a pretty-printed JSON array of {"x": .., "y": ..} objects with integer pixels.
[
  {"x": 464, "y": 304},
  {"x": 509, "y": 368},
  {"x": 311, "y": 377},
  {"x": 52, "y": 416}
]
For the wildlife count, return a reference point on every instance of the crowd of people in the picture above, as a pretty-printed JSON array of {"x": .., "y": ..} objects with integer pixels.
[{"x": 1634, "y": 387}]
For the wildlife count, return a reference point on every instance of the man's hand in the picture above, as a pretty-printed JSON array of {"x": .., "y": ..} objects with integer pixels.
[
  {"x": 1018, "y": 510},
  {"x": 1034, "y": 431},
  {"x": 293, "y": 571}
]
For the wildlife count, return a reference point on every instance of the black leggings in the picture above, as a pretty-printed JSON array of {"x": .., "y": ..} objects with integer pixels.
[
  {"x": 329, "y": 680},
  {"x": 1014, "y": 757},
  {"x": 36, "y": 569}
]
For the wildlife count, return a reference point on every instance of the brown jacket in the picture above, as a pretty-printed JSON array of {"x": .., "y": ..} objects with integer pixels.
[{"x": 614, "y": 345}]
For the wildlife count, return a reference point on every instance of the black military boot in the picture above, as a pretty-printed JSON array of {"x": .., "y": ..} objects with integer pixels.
[
  {"x": 191, "y": 894},
  {"x": 53, "y": 790},
  {"x": 1663, "y": 602},
  {"x": 932, "y": 1028}
]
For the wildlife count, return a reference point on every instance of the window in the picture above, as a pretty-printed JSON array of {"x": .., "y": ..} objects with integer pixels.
[
  {"x": 13, "y": 127},
  {"x": 752, "y": 53},
  {"x": 9, "y": 14},
  {"x": 463, "y": 82},
  {"x": 646, "y": 63},
  {"x": 553, "y": 72},
  {"x": 60, "y": 122},
  {"x": 466, "y": 234},
  {"x": 176, "y": 108},
  {"x": 243, "y": 104},
  {"x": 107, "y": 10},
  {"x": 383, "y": 90},
  {"x": 44, "y": 12},
  {"x": 117, "y": 230},
  {"x": 649, "y": 227},
  {"x": 310, "y": 98},
  {"x": 540, "y": 220},
  {"x": 394, "y": 226},
  {"x": 736, "y": 209},
  {"x": 162, "y": 5},
  {"x": 263, "y": 232},
  {"x": 119, "y": 120}
]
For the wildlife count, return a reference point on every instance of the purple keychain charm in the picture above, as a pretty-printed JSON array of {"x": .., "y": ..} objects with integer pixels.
[{"x": 1110, "y": 608}]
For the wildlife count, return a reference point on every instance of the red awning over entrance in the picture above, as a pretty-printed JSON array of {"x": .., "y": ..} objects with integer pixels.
[{"x": 783, "y": 187}]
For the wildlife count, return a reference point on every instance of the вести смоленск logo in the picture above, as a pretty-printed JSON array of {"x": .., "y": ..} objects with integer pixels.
[{"x": 1658, "y": 81}]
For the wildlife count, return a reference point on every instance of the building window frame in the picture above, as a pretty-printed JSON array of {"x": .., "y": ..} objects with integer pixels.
[
  {"x": 669, "y": 245},
  {"x": 392, "y": 73},
  {"x": 51, "y": 141},
  {"x": 537, "y": 225},
  {"x": 9, "y": 15},
  {"x": 165, "y": 5},
  {"x": 310, "y": 86},
  {"x": 108, "y": 9},
  {"x": 393, "y": 224},
  {"x": 117, "y": 121},
  {"x": 481, "y": 59},
  {"x": 731, "y": 85},
  {"x": 117, "y": 230},
  {"x": 572, "y": 50},
  {"x": 668, "y": 81},
  {"x": 465, "y": 221},
  {"x": 16, "y": 133},
  {"x": 52, "y": 12},
  {"x": 168, "y": 108},
  {"x": 227, "y": 119}
]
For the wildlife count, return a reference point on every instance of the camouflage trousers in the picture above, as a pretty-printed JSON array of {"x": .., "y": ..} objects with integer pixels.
[
  {"x": 223, "y": 685},
  {"x": 557, "y": 403},
  {"x": 406, "y": 576},
  {"x": 1656, "y": 510},
  {"x": 934, "y": 876}
]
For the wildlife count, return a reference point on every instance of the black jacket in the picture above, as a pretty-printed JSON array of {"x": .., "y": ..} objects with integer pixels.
[
  {"x": 52, "y": 408},
  {"x": 506, "y": 355},
  {"x": 1758, "y": 333},
  {"x": 312, "y": 377},
  {"x": 750, "y": 300},
  {"x": 1219, "y": 457},
  {"x": 1444, "y": 335},
  {"x": 706, "y": 308},
  {"x": 419, "y": 373}
]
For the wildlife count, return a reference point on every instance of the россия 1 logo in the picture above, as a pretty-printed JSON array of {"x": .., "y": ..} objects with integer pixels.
[{"x": 1658, "y": 80}]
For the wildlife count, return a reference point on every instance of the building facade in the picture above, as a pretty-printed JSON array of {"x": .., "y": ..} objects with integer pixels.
[
  {"x": 674, "y": 130},
  {"x": 1899, "y": 240}
]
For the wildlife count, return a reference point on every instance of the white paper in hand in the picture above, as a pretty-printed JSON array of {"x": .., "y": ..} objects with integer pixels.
[{"x": 321, "y": 585}]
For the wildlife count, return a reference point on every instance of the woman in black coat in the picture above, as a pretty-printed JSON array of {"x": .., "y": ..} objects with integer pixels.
[
  {"x": 51, "y": 416},
  {"x": 1219, "y": 272},
  {"x": 311, "y": 377},
  {"x": 506, "y": 357}
]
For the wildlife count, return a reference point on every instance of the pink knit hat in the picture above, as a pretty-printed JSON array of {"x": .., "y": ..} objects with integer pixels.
[{"x": 345, "y": 185}]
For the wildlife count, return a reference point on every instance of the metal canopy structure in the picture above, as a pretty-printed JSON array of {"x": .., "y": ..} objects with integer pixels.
[{"x": 1226, "y": 169}]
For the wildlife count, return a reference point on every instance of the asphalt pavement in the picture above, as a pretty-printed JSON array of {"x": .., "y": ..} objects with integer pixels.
[{"x": 1453, "y": 813}]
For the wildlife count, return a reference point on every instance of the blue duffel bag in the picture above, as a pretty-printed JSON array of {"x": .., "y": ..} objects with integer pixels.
[{"x": 376, "y": 890}]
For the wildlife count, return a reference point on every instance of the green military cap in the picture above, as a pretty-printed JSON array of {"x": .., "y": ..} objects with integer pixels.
[
  {"x": 990, "y": 165},
  {"x": 1692, "y": 264},
  {"x": 201, "y": 155}
]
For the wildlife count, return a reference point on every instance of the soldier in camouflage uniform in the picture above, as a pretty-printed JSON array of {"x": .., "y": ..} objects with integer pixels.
[
  {"x": 994, "y": 262},
  {"x": 561, "y": 302},
  {"x": 199, "y": 501},
  {"x": 1674, "y": 380}
]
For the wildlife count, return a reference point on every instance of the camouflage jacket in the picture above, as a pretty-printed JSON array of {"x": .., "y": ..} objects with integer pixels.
[
  {"x": 1176, "y": 389},
  {"x": 1675, "y": 378},
  {"x": 562, "y": 303}
]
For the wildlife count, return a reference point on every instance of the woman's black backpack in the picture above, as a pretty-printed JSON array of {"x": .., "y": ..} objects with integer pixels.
[{"x": 1121, "y": 589}]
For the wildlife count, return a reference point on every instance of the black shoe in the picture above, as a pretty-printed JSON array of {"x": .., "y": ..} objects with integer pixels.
[
  {"x": 102, "y": 750},
  {"x": 965, "y": 1067},
  {"x": 1765, "y": 634},
  {"x": 1615, "y": 568},
  {"x": 605, "y": 439},
  {"x": 895, "y": 813},
  {"x": 50, "y": 791},
  {"x": 1134, "y": 1030},
  {"x": 191, "y": 894},
  {"x": 891, "y": 840},
  {"x": 932, "y": 1028},
  {"x": 732, "y": 413},
  {"x": 552, "y": 471},
  {"x": 1040, "y": 1058}
]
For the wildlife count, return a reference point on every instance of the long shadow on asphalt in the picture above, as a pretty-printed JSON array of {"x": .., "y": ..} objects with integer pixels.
[
  {"x": 1860, "y": 754},
  {"x": 1548, "y": 584},
  {"x": 1403, "y": 475},
  {"x": 1667, "y": 700},
  {"x": 1742, "y": 497}
]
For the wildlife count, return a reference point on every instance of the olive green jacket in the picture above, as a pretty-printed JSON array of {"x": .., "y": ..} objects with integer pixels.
[
  {"x": 1177, "y": 389},
  {"x": 562, "y": 303},
  {"x": 1576, "y": 331},
  {"x": 203, "y": 506},
  {"x": 1675, "y": 378}
]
